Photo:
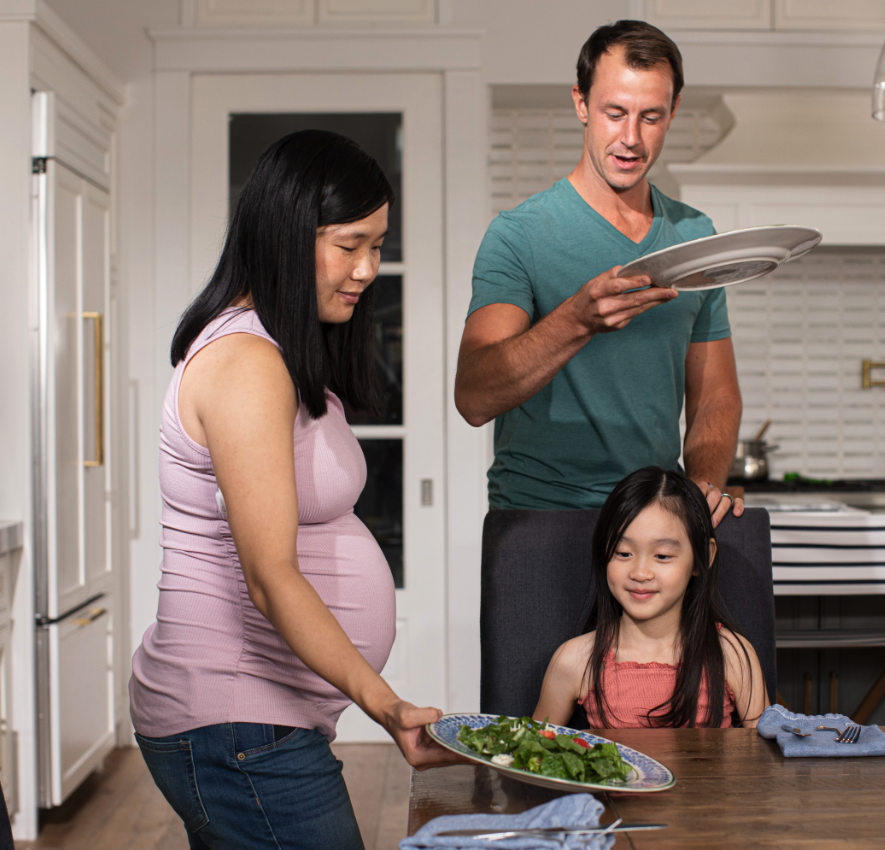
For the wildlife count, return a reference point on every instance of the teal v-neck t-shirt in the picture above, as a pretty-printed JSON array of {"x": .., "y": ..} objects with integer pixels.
[{"x": 615, "y": 406}]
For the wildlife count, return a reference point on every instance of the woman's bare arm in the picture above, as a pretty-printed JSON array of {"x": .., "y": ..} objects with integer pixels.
[{"x": 242, "y": 398}]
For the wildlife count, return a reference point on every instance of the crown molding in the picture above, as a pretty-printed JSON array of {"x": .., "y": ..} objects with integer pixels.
[
  {"x": 317, "y": 49},
  {"x": 56, "y": 30},
  {"x": 778, "y": 38},
  {"x": 753, "y": 176}
]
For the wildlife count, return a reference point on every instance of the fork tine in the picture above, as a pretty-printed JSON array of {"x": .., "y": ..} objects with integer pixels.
[{"x": 849, "y": 736}]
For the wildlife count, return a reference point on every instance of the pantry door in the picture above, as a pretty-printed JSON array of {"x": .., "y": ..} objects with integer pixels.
[{"x": 397, "y": 118}]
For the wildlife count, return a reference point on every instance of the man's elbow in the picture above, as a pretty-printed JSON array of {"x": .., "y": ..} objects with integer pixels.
[{"x": 468, "y": 407}]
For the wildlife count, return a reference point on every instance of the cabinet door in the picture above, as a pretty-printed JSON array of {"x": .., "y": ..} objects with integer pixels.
[
  {"x": 81, "y": 705},
  {"x": 78, "y": 528},
  {"x": 73, "y": 566}
]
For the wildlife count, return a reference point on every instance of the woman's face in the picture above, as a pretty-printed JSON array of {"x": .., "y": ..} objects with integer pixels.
[
  {"x": 347, "y": 258},
  {"x": 652, "y": 565}
]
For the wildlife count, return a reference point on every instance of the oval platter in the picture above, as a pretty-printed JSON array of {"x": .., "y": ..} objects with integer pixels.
[{"x": 646, "y": 775}]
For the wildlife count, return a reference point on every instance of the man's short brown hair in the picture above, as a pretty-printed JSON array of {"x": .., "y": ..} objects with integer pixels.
[{"x": 644, "y": 46}]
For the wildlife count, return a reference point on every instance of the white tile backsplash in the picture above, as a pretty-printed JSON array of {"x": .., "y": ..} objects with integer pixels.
[{"x": 800, "y": 335}]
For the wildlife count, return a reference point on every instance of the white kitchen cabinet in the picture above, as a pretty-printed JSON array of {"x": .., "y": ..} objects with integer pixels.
[
  {"x": 708, "y": 14},
  {"x": 80, "y": 705},
  {"x": 74, "y": 577},
  {"x": 10, "y": 554},
  {"x": 857, "y": 15}
]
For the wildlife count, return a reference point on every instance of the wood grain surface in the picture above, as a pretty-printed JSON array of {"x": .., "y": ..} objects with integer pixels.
[{"x": 733, "y": 789}]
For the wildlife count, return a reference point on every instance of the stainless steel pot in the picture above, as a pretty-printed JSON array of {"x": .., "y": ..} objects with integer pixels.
[{"x": 750, "y": 460}]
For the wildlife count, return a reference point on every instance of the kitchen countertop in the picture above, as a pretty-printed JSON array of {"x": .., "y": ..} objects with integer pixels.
[
  {"x": 11, "y": 535},
  {"x": 866, "y": 494}
]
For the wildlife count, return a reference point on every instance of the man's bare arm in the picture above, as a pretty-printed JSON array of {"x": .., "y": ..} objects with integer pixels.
[
  {"x": 712, "y": 417},
  {"x": 504, "y": 360}
]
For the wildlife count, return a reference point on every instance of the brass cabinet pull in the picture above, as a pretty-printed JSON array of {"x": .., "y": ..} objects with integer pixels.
[
  {"x": 99, "y": 390},
  {"x": 94, "y": 614}
]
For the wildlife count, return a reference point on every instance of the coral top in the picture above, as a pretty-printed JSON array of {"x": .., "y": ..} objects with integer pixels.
[
  {"x": 212, "y": 657},
  {"x": 632, "y": 689}
]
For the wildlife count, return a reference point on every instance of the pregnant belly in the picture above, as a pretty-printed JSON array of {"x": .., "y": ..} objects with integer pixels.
[{"x": 350, "y": 573}]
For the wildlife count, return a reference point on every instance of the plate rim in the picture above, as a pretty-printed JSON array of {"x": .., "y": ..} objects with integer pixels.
[
  {"x": 730, "y": 234},
  {"x": 523, "y": 775}
]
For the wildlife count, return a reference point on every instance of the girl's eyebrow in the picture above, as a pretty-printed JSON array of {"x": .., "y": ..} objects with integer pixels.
[
  {"x": 668, "y": 541},
  {"x": 660, "y": 541},
  {"x": 359, "y": 234}
]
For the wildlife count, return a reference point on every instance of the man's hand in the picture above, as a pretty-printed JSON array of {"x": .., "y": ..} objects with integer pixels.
[
  {"x": 505, "y": 360},
  {"x": 608, "y": 302},
  {"x": 720, "y": 503}
]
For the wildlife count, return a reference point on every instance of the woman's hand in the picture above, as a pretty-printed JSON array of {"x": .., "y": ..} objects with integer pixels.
[{"x": 405, "y": 724}]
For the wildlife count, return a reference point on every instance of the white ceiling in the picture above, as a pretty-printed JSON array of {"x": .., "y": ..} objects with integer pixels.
[{"x": 115, "y": 29}]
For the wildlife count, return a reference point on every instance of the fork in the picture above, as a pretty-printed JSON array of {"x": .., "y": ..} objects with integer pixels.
[{"x": 850, "y": 735}]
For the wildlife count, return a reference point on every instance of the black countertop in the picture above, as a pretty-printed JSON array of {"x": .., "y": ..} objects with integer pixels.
[{"x": 808, "y": 485}]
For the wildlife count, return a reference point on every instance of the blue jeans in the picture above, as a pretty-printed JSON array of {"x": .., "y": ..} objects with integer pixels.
[{"x": 237, "y": 787}]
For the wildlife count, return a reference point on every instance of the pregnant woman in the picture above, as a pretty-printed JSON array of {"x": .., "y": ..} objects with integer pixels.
[{"x": 276, "y": 604}]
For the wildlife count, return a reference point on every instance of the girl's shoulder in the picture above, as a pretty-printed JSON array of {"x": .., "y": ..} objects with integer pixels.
[
  {"x": 574, "y": 654},
  {"x": 737, "y": 651}
]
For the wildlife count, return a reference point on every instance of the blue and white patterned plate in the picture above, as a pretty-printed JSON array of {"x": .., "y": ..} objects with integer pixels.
[{"x": 646, "y": 774}]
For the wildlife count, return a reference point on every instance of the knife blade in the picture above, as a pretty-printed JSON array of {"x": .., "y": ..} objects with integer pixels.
[{"x": 550, "y": 830}]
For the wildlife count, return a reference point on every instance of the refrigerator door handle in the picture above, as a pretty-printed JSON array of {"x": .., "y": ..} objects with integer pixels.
[{"x": 45, "y": 622}]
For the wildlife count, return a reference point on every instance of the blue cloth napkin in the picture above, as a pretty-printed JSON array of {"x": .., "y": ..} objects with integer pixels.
[
  {"x": 870, "y": 743},
  {"x": 571, "y": 810}
]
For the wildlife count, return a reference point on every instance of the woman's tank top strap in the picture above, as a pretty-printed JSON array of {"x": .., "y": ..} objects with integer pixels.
[{"x": 236, "y": 320}]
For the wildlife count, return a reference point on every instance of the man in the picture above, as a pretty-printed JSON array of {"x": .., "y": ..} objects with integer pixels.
[{"x": 585, "y": 373}]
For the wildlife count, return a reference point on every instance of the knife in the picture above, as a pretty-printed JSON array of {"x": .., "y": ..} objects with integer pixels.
[{"x": 550, "y": 830}]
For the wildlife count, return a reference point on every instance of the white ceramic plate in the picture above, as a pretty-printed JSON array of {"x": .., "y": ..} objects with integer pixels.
[
  {"x": 646, "y": 773},
  {"x": 726, "y": 258}
]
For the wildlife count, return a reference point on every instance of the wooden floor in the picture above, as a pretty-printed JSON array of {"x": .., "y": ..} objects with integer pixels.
[{"x": 120, "y": 807}]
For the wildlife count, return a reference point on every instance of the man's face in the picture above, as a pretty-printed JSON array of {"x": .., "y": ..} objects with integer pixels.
[{"x": 626, "y": 118}]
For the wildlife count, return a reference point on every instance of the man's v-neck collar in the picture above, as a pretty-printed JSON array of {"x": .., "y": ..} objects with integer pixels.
[{"x": 639, "y": 247}]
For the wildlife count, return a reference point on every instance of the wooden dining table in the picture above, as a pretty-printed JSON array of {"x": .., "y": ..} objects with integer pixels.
[{"x": 733, "y": 789}]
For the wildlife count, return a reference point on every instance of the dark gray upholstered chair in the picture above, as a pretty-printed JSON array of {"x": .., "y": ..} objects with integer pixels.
[{"x": 535, "y": 577}]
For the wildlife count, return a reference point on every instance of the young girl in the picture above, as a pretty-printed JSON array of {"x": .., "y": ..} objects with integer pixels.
[{"x": 659, "y": 648}]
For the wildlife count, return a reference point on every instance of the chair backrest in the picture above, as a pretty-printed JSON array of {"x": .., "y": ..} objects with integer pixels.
[{"x": 535, "y": 582}]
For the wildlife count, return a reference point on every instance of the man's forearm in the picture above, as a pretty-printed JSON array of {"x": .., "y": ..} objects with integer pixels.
[
  {"x": 711, "y": 440},
  {"x": 499, "y": 377}
]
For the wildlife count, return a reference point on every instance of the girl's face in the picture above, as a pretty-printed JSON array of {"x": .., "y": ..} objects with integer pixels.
[
  {"x": 347, "y": 258},
  {"x": 652, "y": 565}
]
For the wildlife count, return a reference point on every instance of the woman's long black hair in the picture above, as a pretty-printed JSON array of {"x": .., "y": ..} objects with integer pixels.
[
  {"x": 698, "y": 643},
  {"x": 302, "y": 182}
]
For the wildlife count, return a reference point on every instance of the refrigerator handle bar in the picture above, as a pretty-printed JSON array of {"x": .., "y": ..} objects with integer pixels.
[{"x": 45, "y": 622}]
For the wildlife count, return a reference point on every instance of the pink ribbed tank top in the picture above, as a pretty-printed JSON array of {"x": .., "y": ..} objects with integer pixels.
[
  {"x": 211, "y": 657},
  {"x": 632, "y": 689}
]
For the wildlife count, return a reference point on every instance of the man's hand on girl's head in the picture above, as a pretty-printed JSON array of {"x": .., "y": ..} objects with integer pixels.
[{"x": 720, "y": 502}]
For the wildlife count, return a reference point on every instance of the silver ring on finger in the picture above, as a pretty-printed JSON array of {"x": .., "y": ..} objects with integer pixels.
[{"x": 727, "y": 496}]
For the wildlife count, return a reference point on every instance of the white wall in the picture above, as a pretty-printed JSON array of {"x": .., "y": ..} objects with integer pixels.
[{"x": 136, "y": 263}]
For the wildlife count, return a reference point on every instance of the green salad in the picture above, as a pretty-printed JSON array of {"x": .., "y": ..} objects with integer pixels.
[{"x": 529, "y": 745}]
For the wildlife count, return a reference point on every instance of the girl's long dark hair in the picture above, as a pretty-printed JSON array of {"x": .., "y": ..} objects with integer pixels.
[
  {"x": 698, "y": 643},
  {"x": 302, "y": 182}
]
